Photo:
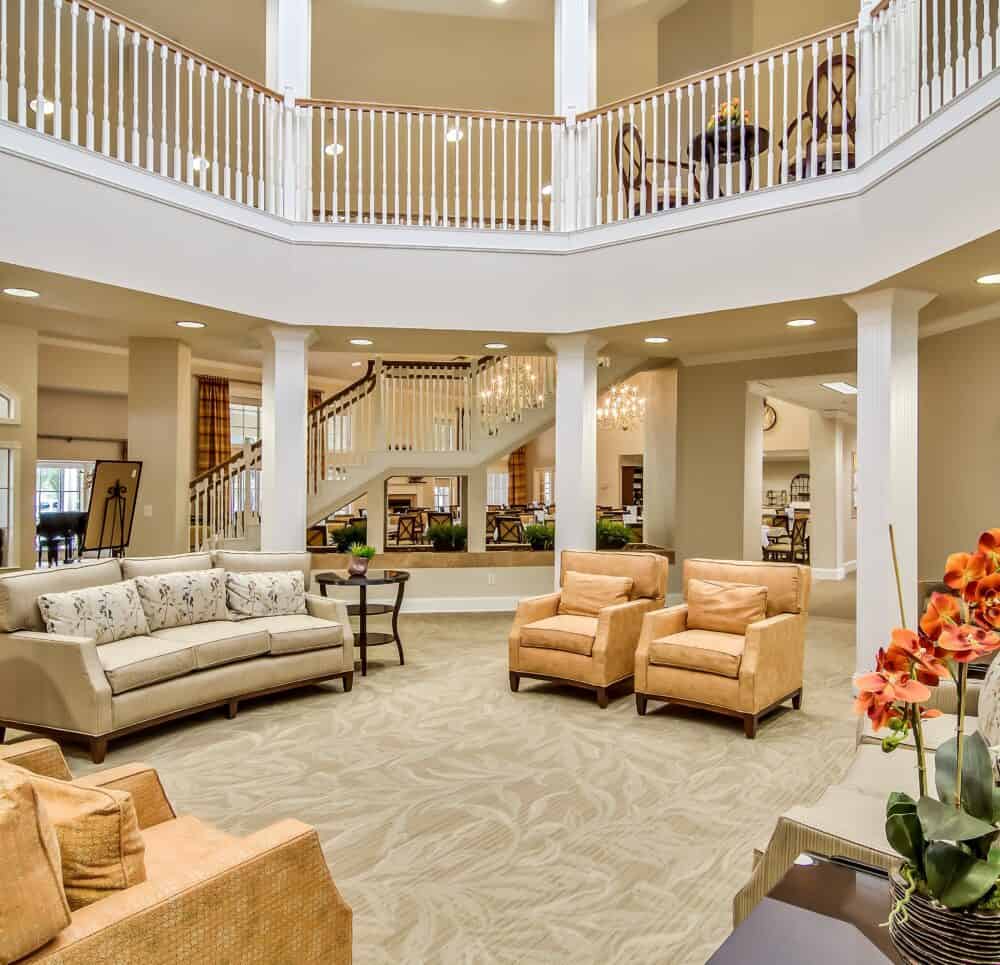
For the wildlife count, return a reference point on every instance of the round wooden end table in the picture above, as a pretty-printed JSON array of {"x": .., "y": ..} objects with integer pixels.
[{"x": 363, "y": 609}]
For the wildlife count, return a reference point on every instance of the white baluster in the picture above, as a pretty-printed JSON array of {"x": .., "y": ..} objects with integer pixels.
[
  {"x": 482, "y": 209},
  {"x": 949, "y": 76},
  {"x": 215, "y": 132},
  {"x": 22, "y": 57},
  {"x": 960, "y": 74},
  {"x": 784, "y": 117},
  {"x": 799, "y": 155},
  {"x": 178, "y": 168},
  {"x": 770, "y": 122},
  {"x": 409, "y": 168},
  {"x": 517, "y": 174},
  {"x": 987, "y": 38},
  {"x": 347, "y": 165},
  {"x": 395, "y": 167},
  {"x": 40, "y": 65},
  {"x": 261, "y": 152},
  {"x": 385, "y": 171},
  {"x": 715, "y": 137},
  {"x": 679, "y": 184},
  {"x": 322, "y": 162},
  {"x": 335, "y": 197},
  {"x": 493, "y": 172},
  {"x": 239, "y": 142},
  {"x": 505, "y": 221},
  {"x": 202, "y": 153},
  {"x": 227, "y": 184},
  {"x": 74, "y": 108},
  {"x": 829, "y": 107},
  {"x": 655, "y": 150},
  {"x": 57, "y": 67},
  {"x": 690, "y": 131},
  {"x": 814, "y": 125},
  {"x": 612, "y": 188},
  {"x": 135, "y": 143},
  {"x": 468, "y": 170},
  {"x": 757, "y": 121},
  {"x": 150, "y": 146},
  {"x": 90, "y": 80},
  {"x": 189, "y": 144},
  {"x": 371, "y": 167},
  {"x": 936, "y": 78},
  {"x": 740, "y": 179},
  {"x": 539, "y": 127},
  {"x": 4, "y": 85},
  {"x": 361, "y": 170},
  {"x": 642, "y": 157},
  {"x": 120, "y": 81},
  {"x": 729, "y": 136}
]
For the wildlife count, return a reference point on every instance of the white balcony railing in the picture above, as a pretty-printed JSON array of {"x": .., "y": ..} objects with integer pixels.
[{"x": 84, "y": 74}]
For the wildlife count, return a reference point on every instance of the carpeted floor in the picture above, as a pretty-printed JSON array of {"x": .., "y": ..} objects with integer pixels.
[
  {"x": 467, "y": 824},
  {"x": 834, "y": 598}
]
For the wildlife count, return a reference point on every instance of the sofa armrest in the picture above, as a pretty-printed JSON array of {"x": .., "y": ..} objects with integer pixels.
[
  {"x": 618, "y": 630},
  {"x": 656, "y": 624},
  {"x": 327, "y": 608},
  {"x": 268, "y": 897},
  {"x": 141, "y": 781},
  {"x": 40, "y": 755},
  {"x": 773, "y": 660},
  {"x": 529, "y": 610},
  {"x": 54, "y": 681}
]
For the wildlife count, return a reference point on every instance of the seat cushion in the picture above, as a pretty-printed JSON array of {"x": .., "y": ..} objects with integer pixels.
[
  {"x": 586, "y": 594},
  {"x": 217, "y": 642},
  {"x": 183, "y": 598},
  {"x": 102, "y": 613},
  {"x": 141, "y": 661},
  {"x": 34, "y": 908},
  {"x": 704, "y": 650},
  {"x": 724, "y": 607},
  {"x": 572, "y": 634},
  {"x": 297, "y": 632},
  {"x": 185, "y": 842}
]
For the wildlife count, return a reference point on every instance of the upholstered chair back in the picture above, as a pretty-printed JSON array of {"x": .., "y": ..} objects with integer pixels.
[
  {"x": 648, "y": 570},
  {"x": 787, "y": 584},
  {"x": 19, "y": 592}
]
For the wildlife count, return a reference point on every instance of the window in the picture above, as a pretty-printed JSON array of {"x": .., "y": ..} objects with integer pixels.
[
  {"x": 244, "y": 422},
  {"x": 6, "y": 407},
  {"x": 545, "y": 482},
  {"x": 59, "y": 487},
  {"x": 6, "y": 507},
  {"x": 442, "y": 498},
  {"x": 497, "y": 487}
]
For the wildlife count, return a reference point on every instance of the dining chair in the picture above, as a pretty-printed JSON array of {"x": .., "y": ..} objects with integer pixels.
[
  {"x": 408, "y": 529},
  {"x": 491, "y": 526},
  {"x": 438, "y": 517},
  {"x": 510, "y": 529},
  {"x": 634, "y": 164}
]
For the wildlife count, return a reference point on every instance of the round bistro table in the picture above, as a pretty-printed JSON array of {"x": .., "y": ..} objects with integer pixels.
[{"x": 364, "y": 609}]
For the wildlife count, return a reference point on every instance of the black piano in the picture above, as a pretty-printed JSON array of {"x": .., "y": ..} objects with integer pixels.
[{"x": 64, "y": 529}]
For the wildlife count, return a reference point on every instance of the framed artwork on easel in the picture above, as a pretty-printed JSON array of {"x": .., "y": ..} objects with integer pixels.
[{"x": 113, "y": 498}]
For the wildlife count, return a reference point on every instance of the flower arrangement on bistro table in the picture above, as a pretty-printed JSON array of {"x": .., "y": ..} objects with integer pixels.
[
  {"x": 951, "y": 842},
  {"x": 729, "y": 115}
]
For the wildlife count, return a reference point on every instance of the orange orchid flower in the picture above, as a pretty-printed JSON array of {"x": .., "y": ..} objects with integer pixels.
[
  {"x": 889, "y": 684},
  {"x": 942, "y": 611},
  {"x": 921, "y": 653},
  {"x": 987, "y": 602},
  {"x": 963, "y": 569},
  {"x": 966, "y": 643}
]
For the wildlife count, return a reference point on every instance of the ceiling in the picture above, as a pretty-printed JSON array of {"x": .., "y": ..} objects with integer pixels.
[{"x": 810, "y": 393}]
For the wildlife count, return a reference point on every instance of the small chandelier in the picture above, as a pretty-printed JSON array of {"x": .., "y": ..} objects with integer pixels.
[
  {"x": 622, "y": 408},
  {"x": 510, "y": 385}
]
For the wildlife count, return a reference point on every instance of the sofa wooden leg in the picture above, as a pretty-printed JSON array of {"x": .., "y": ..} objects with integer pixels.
[
  {"x": 98, "y": 749},
  {"x": 232, "y": 709},
  {"x": 602, "y": 697},
  {"x": 797, "y": 700},
  {"x": 640, "y": 704},
  {"x": 515, "y": 681},
  {"x": 750, "y": 726},
  {"x": 348, "y": 681}
]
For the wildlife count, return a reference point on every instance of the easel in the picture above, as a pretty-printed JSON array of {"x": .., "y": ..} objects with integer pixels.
[
  {"x": 115, "y": 502},
  {"x": 109, "y": 527}
]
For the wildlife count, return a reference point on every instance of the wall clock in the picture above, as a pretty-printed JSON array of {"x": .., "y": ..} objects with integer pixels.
[{"x": 770, "y": 417}]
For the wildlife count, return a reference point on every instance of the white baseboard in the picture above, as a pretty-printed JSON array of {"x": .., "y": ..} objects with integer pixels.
[
  {"x": 834, "y": 573},
  {"x": 461, "y": 604}
]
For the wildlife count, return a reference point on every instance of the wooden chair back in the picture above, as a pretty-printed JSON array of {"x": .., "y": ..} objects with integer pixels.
[
  {"x": 828, "y": 96},
  {"x": 633, "y": 169},
  {"x": 437, "y": 517},
  {"x": 409, "y": 528},
  {"x": 510, "y": 529}
]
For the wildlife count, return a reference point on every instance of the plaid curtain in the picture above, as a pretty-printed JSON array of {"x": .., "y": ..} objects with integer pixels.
[
  {"x": 214, "y": 444},
  {"x": 517, "y": 482},
  {"x": 315, "y": 397}
]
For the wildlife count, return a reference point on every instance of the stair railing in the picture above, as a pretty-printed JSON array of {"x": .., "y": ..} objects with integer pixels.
[{"x": 225, "y": 500}]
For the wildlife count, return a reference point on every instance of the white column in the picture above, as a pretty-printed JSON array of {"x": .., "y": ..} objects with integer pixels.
[
  {"x": 659, "y": 458},
  {"x": 576, "y": 441},
  {"x": 284, "y": 397},
  {"x": 753, "y": 471},
  {"x": 289, "y": 45},
  {"x": 887, "y": 461}
]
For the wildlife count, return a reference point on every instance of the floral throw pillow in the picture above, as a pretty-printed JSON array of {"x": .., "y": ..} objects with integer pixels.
[
  {"x": 181, "y": 599},
  {"x": 103, "y": 613},
  {"x": 265, "y": 594}
]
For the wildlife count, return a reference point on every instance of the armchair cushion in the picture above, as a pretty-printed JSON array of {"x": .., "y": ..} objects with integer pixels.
[
  {"x": 586, "y": 594},
  {"x": 703, "y": 650},
  {"x": 567, "y": 632},
  {"x": 181, "y": 599},
  {"x": 724, "y": 607},
  {"x": 98, "y": 833},
  {"x": 102, "y": 613},
  {"x": 34, "y": 908}
]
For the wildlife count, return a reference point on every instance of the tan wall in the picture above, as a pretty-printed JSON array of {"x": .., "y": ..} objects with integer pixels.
[
  {"x": 778, "y": 472},
  {"x": 627, "y": 56},
  {"x": 791, "y": 431},
  {"x": 70, "y": 367},
  {"x": 19, "y": 376},
  {"x": 79, "y": 419}
]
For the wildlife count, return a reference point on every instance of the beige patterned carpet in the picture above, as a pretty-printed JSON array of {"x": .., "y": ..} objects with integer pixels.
[{"x": 466, "y": 824}]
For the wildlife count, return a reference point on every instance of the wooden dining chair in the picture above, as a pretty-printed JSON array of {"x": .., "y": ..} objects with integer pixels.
[
  {"x": 510, "y": 529},
  {"x": 437, "y": 517},
  {"x": 634, "y": 169},
  {"x": 408, "y": 529},
  {"x": 613, "y": 515}
]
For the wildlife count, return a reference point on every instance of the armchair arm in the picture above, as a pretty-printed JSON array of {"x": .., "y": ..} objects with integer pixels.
[
  {"x": 54, "y": 681},
  {"x": 326, "y": 608},
  {"x": 772, "y": 662},
  {"x": 141, "y": 781},
  {"x": 268, "y": 897},
  {"x": 656, "y": 624},
  {"x": 529, "y": 610},
  {"x": 41, "y": 756},
  {"x": 618, "y": 629}
]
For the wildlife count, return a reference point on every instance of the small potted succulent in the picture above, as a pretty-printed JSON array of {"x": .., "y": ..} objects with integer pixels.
[{"x": 361, "y": 557}]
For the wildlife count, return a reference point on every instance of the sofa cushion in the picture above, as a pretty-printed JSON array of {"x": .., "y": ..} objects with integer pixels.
[
  {"x": 297, "y": 632},
  {"x": 34, "y": 908},
  {"x": 217, "y": 642},
  {"x": 182, "y": 599},
  {"x": 19, "y": 592},
  {"x": 702, "y": 650},
  {"x": 567, "y": 632},
  {"x": 98, "y": 832},
  {"x": 265, "y": 594},
  {"x": 724, "y": 607},
  {"x": 586, "y": 594},
  {"x": 158, "y": 565},
  {"x": 242, "y": 561},
  {"x": 102, "y": 613},
  {"x": 141, "y": 661}
]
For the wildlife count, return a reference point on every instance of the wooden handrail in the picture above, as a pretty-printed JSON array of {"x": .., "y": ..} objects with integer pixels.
[
  {"x": 220, "y": 467},
  {"x": 347, "y": 390},
  {"x": 102, "y": 11},
  {"x": 437, "y": 111},
  {"x": 756, "y": 58},
  {"x": 880, "y": 7}
]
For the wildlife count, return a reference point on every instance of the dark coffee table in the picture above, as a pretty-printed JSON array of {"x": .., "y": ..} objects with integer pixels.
[
  {"x": 737, "y": 143},
  {"x": 823, "y": 913},
  {"x": 364, "y": 609}
]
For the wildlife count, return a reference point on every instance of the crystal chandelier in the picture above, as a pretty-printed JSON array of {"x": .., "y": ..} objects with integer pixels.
[
  {"x": 510, "y": 385},
  {"x": 622, "y": 408}
]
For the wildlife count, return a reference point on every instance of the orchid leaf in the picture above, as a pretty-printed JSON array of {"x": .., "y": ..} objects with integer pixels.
[
  {"x": 978, "y": 795},
  {"x": 900, "y": 803},
  {"x": 904, "y": 833},
  {"x": 943, "y": 822},
  {"x": 955, "y": 877}
]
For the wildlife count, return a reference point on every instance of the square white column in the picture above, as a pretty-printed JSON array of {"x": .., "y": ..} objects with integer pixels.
[
  {"x": 289, "y": 46},
  {"x": 887, "y": 461},
  {"x": 576, "y": 441},
  {"x": 284, "y": 401},
  {"x": 575, "y": 55}
]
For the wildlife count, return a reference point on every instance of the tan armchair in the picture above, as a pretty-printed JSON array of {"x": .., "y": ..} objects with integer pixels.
[
  {"x": 209, "y": 897},
  {"x": 740, "y": 675},
  {"x": 591, "y": 647}
]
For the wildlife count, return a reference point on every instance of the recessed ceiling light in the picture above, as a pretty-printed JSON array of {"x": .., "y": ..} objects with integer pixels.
[
  {"x": 355, "y": 365},
  {"x": 499, "y": 3},
  {"x": 989, "y": 280},
  {"x": 454, "y": 134},
  {"x": 190, "y": 323},
  {"x": 333, "y": 150},
  {"x": 844, "y": 388},
  {"x": 21, "y": 292},
  {"x": 801, "y": 322},
  {"x": 361, "y": 341},
  {"x": 547, "y": 191},
  {"x": 657, "y": 340},
  {"x": 48, "y": 107},
  {"x": 497, "y": 345}
]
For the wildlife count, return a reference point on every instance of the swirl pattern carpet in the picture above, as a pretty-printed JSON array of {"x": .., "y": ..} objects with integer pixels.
[{"x": 467, "y": 824}]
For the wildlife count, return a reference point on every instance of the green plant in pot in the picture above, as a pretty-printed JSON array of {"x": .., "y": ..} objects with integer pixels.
[
  {"x": 946, "y": 893},
  {"x": 445, "y": 537},
  {"x": 361, "y": 557},
  {"x": 612, "y": 535},
  {"x": 540, "y": 536},
  {"x": 347, "y": 536}
]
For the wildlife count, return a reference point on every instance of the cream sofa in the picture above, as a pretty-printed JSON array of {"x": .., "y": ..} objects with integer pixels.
[{"x": 72, "y": 688}]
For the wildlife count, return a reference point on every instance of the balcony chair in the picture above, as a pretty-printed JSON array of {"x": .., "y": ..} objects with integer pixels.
[
  {"x": 633, "y": 163},
  {"x": 510, "y": 529},
  {"x": 585, "y": 635},
  {"x": 835, "y": 122},
  {"x": 736, "y": 647}
]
